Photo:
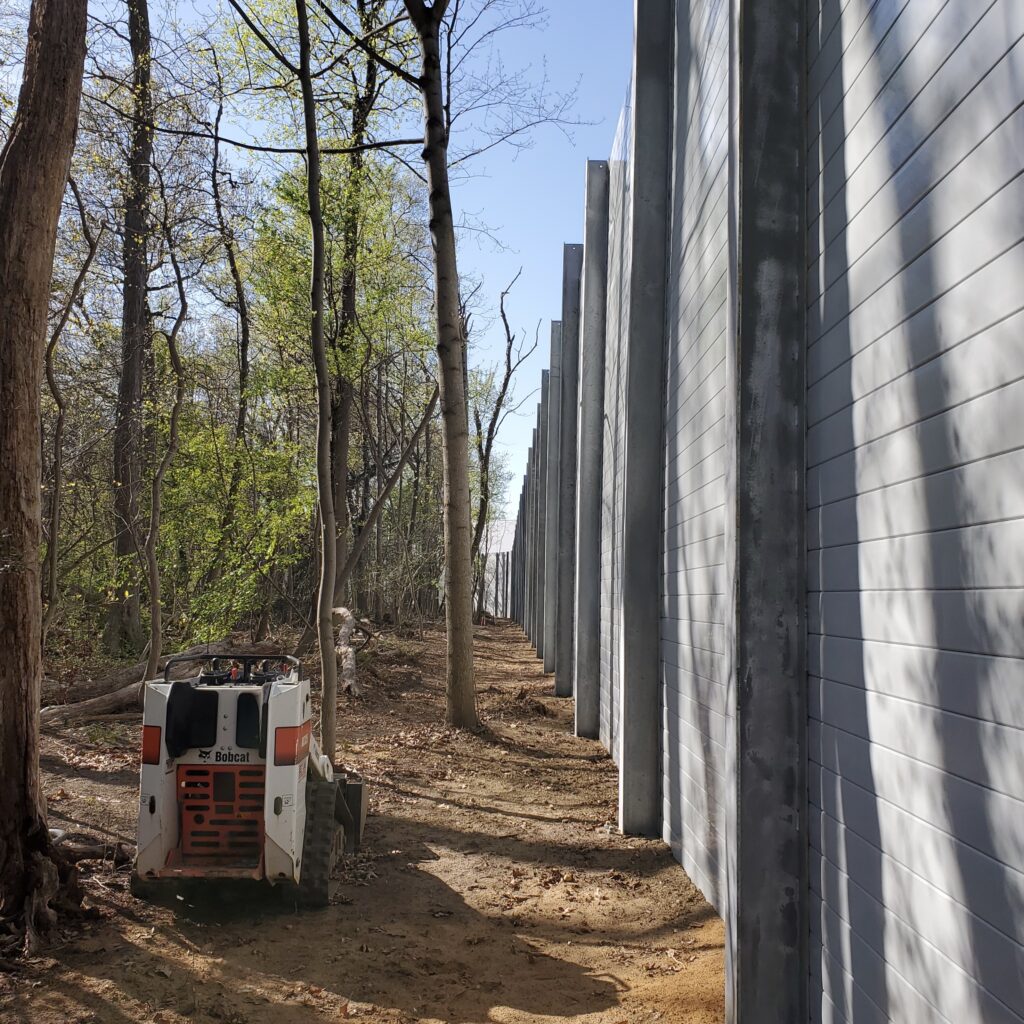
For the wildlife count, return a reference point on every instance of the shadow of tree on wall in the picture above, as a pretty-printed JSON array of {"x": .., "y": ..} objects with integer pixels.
[
  {"x": 932, "y": 604},
  {"x": 960, "y": 564},
  {"x": 853, "y": 940}
]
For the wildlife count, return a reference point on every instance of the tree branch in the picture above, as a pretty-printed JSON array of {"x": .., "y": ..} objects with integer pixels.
[
  {"x": 253, "y": 147},
  {"x": 262, "y": 37},
  {"x": 363, "y": 45}
]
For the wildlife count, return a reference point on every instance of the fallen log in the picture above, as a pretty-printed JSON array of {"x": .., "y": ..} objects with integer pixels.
[
  {"x": 74, "y": 847},
  {"x": 116, "y": 716},
  {"x": 129, "y": 694},
  {"x": 126, "y": 697},
  {"x": 117, "y": 678}
]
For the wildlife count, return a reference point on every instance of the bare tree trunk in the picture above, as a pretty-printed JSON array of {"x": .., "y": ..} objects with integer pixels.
[
  {"x": 124, "y": 627},
  {"x": 483, "y": 454},
  {"x": 33, "y": 168},
  {"x": 363, "y": 101},
  {"x": 451, "y": 350},
  {"x": 342, "y": 423},
  {"x": 325, "y": 490},
  {"x": 481, "y": 590},
  {"x": 364, "y": 97},
  {"x": 378, "y": 527},
  {"x": 156, "y": 498},
  {"x": 262, "y": 628},
  {"x": 92, "y": 240}
]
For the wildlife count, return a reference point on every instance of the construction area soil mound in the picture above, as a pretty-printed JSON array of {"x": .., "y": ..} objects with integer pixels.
[{"x": 493, "y": 885}]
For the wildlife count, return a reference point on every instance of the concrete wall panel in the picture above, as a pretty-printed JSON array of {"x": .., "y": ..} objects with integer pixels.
[
  {"x": 613, "y": 448},
  {"x": 915, "y": 509},
  {"x": 696, "y": 707}
]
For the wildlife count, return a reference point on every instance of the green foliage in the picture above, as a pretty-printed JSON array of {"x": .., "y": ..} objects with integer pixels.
[
  {"x": 238, "y": 538},
  {"x": 238, "y": 544}
]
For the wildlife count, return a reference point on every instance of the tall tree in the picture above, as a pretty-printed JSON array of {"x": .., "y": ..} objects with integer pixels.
[
  {"x": 448, "y": 33},
  {"x": 364, "y": 95},
  {"x": 33, "y": 169},
  {"x": 124, "y": 628},
  {"x": 324, "y": 430},
  {"x": 365, "y": 85},
  {"x": 331, "y": 468},
  {"x": 157, "y": 486},
  {"x": 451, "y": 352}
]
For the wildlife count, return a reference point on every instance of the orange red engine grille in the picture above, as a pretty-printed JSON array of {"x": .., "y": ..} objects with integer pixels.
[{"x": 221, "y": 809}]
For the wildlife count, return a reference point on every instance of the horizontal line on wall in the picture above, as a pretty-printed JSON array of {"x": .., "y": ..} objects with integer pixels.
[
  {"x": 958, "y": 840},
  {"x": 836, "y": 27},
  {"x": 880, "y": 86},
  {"x": 915, "y": 760},
  {"x": 882, "y": 955},
  {"x": 894, "y": 171},
  {"x": 815, "y": 295},
  {"x": 663, "y": 682},
  {"x": 917, "y": 533},
  {"x": 911, "y": 590},
  {"x": 888, "y": 911},
  {"x": 836, "y": 1016},
  {"x": 938, "y": 709},
  {"x": 910, "y": 99},
  {"x": 921, "y": 647},
  {"x": 919, "y": 476},
  {"x": 909, "y": 314},
  {"x": 910, "y": 370}
]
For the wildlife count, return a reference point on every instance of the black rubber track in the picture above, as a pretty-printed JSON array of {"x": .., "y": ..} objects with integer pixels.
[{"x": 319, "y": 845}]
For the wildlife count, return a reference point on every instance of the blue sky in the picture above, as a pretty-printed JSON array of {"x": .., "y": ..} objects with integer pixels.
[{"x": 533, "y": 200}]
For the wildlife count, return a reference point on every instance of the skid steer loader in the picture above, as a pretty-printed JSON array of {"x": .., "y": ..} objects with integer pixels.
[{"x": 234, "y": 784}]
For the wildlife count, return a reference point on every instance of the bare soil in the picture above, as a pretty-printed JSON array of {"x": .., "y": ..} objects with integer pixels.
[{"x": 492, "y": 887}]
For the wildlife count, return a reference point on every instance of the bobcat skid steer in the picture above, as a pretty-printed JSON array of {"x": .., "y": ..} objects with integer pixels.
[{"x": 234, "y": 785}]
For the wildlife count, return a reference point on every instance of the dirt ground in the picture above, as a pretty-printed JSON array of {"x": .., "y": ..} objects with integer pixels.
[{"x": 493, "y": 886}]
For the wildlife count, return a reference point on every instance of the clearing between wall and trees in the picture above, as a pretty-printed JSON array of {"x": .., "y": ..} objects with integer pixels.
[{"x": 492, "y": 885}]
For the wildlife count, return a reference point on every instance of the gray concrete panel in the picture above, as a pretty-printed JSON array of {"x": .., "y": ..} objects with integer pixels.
[
  {"x": 531, "y": 542},
  {"x": 769, "y": 982},
  {"x": 572, "y": 269},
  {"x": 542, "y": 510},
  {"x": 696, "y": 606},
  {"x": 915, "y": 251},
  {"x": 552, "y": 496},
  {"x": 640, "y": 781},
  {"x": 613, "y": 425},
  {"x": 587, "y": 604}
]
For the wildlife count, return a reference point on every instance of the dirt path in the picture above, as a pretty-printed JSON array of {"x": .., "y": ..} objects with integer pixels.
[{"x": 492, "y": 887}]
